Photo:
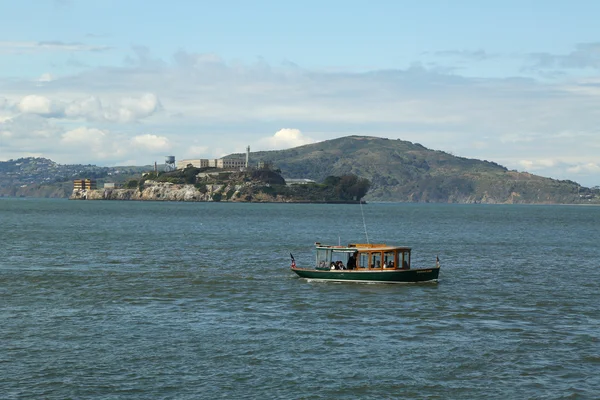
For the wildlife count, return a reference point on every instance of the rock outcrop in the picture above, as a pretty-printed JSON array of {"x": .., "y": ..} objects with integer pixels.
[{"x": 164, "y": 191}]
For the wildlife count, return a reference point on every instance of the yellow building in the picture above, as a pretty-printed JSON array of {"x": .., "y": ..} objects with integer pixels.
[{"x": 84, "y": 184}]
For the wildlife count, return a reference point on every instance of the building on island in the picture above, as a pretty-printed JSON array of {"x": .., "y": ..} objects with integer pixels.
[
  {"x": 197, "y": 163},
  {"x": 303, "y": 181},
  {"x": 84, "y": 184},
  {"x": 223, "y": 163}
]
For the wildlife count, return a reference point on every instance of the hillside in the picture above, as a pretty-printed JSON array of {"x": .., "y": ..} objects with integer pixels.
[
  {"x": 405, "y": 172},
  {"x": 41, "y": 177}
]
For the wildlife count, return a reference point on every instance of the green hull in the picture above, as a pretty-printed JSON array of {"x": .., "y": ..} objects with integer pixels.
[{"x": 395, "y": 276}]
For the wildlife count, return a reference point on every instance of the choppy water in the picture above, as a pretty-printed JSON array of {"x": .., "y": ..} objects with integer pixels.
[{"x": 143, "y": 300}]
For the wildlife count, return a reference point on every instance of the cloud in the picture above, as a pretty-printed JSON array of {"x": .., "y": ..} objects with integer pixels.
[
  {"x": 97, "y": 145},
  {"x": 48, "y": 46},
  {"x": 84, "y": 137},
  {"x": 151, "y": 143},
  {"x": 143, "y": 58},
  {"x": 132, "y": 108},
  {"x": 472, "y": 55},
  {"x": 127, "y": 109},
  {"x": 196, "y": 151},
  {"x": 593, "y": 168},
  {"x": 284, "y": 139},
  {"x": 518, "y": 137},
  {"x": 533, "y": 165},
  {"x": 585, "y": 55},
  {"x": 31, "y": 134},
  {"x": 40, "y": 105},
  {"x": 89, "y": 108},
  {"x": 5, "y": 104},
  {"x": 46, "y": 77},
  {"x": 27, "y": 133}
]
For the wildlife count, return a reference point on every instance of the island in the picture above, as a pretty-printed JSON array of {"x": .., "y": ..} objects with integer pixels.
[{"x": 220, "y": 185}]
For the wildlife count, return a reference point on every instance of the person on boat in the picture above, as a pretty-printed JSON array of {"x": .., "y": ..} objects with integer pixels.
[
  {"x": 352, "y": 261},
  {"x": 332, "y": 265},
  {"x": 340, "y": 265},
  {"x": 405, "y": 265}
]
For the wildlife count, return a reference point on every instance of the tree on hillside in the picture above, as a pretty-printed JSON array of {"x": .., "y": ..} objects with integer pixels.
[{"x": 349, "y": 187}]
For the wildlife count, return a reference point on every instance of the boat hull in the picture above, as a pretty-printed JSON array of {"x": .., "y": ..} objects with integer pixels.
[{"x": 390, "y": 276}]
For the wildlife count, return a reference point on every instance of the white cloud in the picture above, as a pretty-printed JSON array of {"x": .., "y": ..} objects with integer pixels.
[
  {"x": 285, "y": 138},
  {"x": 40, "y": 105},
  {"x": 591, "y": 167},
  {"x": 46, "y": 77},
  {"x": 517, "y": 137},
  {"x": 25, "y": 47},
  {"x": 84, "y": 136},
  {"x": 151, "y": 143},
  {"x": 27, "y": 134},
  {"x": 126, "y": 110},
  {"x": 89, "y": 108},
  {"x": 196, "y": 152},
  {"x": 132, "y": 109},
  {"x": 94, "y": 145},
  {"x": 5, "y": 109},
  {"x": 533, "y": 165},
  {"x": 27, "y": 129}
]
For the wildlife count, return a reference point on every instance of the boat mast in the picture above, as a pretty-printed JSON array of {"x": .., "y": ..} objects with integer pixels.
[{"x": 363, "y": 217}]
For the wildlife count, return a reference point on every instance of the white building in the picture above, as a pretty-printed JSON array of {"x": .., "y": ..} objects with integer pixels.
[
  {"x": 223, "y": 163},
  {"x": 227, "y": 163},
  {"x": 303, "y": 181}
]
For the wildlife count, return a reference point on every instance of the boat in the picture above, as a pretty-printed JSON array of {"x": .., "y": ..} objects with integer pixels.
[{"x": 374, "y": 263}]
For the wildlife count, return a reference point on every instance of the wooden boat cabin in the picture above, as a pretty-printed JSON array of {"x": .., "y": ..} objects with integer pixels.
[{"x": 367, "y": 257}]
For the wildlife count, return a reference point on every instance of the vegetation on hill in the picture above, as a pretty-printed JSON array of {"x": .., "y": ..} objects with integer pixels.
[{"x": 408, "y": 172}]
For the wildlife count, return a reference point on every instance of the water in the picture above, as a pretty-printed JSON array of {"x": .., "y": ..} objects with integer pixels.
[{"x": 142, "y": 300}]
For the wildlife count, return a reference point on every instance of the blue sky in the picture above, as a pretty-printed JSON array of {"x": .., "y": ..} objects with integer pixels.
[{"x": 516, "y": 82}]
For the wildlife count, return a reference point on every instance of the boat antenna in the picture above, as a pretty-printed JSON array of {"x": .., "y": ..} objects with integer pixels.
[{"x": 363, "y": 217}]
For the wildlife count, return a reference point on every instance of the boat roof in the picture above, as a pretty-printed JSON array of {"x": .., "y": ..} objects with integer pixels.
[{"x": 352, "y": 247}]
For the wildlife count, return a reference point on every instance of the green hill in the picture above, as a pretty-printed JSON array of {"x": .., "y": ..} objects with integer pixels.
[{"x": 402, "y": 171}]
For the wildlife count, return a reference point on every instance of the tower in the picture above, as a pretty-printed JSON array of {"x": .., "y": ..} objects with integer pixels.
[
  {"x": 170, "y": 163},
  {"x": 247, "y": 155}
]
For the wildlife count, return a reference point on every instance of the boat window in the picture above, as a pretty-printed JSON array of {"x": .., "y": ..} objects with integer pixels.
[
  {"x": 376, "y": 260},
  {"x": 363, "y": 260},
  {"x": 388, "y": 259},
  {"x": 339, "y": 257},
  {"x": 405, "y": 260},
  {"x": 323, "y": 257}
]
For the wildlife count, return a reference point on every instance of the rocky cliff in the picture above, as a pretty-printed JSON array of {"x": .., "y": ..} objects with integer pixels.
[{"x": 164, "y": 191}]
